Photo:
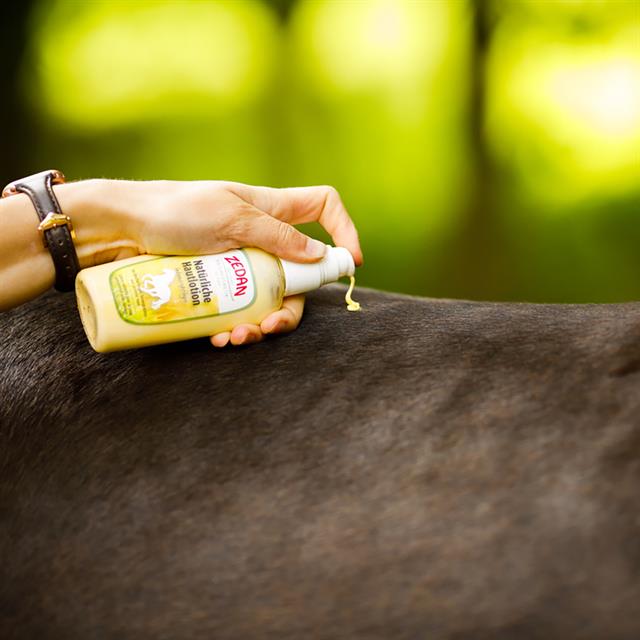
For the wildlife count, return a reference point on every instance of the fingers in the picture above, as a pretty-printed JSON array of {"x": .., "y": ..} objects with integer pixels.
[
  {"x": 245, "y": 334},
  {"x": 285, "y": 319},
  {"x": 265, "y": 232},
  {"x": 221, "y": 339},
  {"x": 242, "y": 334},
  {"x": 282, "y": 321},
  {"x": 296, "y": 205}
]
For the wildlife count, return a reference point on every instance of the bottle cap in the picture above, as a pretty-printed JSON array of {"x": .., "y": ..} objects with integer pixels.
[{"x": 299, "y": 278}]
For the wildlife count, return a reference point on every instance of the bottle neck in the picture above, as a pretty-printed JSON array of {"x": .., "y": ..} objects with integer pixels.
[{"x": 300, "y": 278}]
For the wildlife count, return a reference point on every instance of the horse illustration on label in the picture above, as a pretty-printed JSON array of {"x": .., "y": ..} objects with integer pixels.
[{"x": 158, "y": 286}]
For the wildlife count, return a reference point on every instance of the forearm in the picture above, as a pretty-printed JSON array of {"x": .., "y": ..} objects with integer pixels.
[{"x": 104, "y": 226}]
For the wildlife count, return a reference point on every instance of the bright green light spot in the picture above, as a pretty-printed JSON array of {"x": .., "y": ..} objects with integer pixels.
[
  {"x": 373, "y": 44},
  {"x": 565, "y": 115},
  {"x": 108, "y": 63},
  {"x": 603, "y": 96}
]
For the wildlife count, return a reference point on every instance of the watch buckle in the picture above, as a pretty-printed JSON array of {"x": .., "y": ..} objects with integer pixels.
[{"x": 53, "y": 220}]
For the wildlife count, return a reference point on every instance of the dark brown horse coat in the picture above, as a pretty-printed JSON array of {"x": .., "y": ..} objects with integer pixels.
[{"x": 425, "y": 469}]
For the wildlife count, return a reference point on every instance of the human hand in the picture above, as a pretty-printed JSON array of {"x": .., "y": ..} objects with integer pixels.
[{"x": 191, "y": 218}]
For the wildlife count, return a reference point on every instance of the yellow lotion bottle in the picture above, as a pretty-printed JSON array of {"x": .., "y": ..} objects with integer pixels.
[{"x": 149, "y": 300}]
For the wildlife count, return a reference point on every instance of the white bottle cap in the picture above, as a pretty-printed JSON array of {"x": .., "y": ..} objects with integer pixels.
[{"x": 337, "y": 263}]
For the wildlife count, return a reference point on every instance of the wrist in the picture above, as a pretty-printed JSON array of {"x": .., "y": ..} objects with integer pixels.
[{"x": 106, "y": 228}]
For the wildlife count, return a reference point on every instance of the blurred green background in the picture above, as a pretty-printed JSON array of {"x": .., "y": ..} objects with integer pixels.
[{"x": 486, "y": 150}]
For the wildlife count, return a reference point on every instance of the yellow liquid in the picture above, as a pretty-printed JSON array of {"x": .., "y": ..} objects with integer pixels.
[{"x": 352, "y": 305}]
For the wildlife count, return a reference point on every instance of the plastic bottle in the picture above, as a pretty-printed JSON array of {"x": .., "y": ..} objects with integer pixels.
[{"x": 150, "y": 300}]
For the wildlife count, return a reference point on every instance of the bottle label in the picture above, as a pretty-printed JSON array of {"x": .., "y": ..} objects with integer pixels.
[{"x": 179, "y": 288}]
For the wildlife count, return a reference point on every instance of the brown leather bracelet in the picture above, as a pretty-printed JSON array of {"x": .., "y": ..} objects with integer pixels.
[{"x": 55, "y": 227}]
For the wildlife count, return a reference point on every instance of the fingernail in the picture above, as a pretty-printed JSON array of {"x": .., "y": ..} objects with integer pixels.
[{"x": 315, "y": 248}]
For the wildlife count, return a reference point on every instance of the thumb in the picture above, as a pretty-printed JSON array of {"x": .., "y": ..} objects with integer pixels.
[{"x": 282, "y": 239}]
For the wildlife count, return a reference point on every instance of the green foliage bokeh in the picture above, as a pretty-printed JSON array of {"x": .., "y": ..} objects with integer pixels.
[{"x": 505, "y": 166}]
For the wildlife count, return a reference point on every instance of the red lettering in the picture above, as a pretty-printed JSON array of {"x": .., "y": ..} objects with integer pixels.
[
  {"x": 234, "y": 262},
  {"x": 240, "y": 273}
]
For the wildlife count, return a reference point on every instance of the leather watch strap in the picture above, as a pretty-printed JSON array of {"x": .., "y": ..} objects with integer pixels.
[{"x": 55, "y": 226}]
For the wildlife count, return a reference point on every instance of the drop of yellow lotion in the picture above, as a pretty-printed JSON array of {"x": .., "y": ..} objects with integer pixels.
[{"x": 352, "y": 305}]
